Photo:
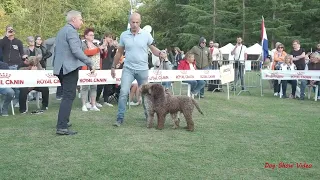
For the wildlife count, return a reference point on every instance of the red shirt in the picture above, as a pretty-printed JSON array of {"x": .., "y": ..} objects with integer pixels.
[{"x": 184, "y": 65}]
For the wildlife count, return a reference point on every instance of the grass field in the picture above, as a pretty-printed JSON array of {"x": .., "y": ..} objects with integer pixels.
[{"x": 234, "y": 140}]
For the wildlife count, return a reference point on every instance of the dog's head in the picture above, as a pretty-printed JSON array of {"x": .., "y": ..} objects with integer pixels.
[
  {"x": 157, "y": 91},
  {"x": 145, "y": 89}
]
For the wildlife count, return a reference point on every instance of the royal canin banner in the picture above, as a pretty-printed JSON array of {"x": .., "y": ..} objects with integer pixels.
[
  {"x": 45, "y": 78},
  {"x": 290, "y": 75}
]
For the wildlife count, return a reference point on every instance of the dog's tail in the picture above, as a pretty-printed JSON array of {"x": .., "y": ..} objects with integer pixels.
[{"x": 197, "y": 106}]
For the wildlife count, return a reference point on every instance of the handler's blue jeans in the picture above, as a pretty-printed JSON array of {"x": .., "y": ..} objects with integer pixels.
[{"x": 128, "y": 76}]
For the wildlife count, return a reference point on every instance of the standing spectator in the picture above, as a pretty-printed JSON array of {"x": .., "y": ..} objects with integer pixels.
[
  {"x": 216, "y": 63},
  {"x": 68, "y": 58},
  {"x": 107, "y": 56},
  {"x": 12, "y": 52},
  {"x": 164, "y": 65},
  {"x": 279, "y": 57},
  {"x": 189, "y": 64},
  {"x": 298, "y": 54},
  {"x": 202, "y": 57},
  {"x": 177, "y": 57},
  {"x": 275, "y": 50},
  {"x": 240, "y": 56},
  {"x": 44, "y": 51},
  {"x": 8, "y": 93},
  {"x": 93, "y": 52},
  {"x": 136, "y": 61}
]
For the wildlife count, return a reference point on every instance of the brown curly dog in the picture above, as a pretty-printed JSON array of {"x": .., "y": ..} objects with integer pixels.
[{"x": 162, "y": 103}]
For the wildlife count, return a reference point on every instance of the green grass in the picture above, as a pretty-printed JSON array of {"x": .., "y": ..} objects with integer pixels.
[{"x": 233, "y": 140}]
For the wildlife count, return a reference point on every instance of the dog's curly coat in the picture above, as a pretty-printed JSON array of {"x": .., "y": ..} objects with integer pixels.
[{"x": 162, "y": 103}]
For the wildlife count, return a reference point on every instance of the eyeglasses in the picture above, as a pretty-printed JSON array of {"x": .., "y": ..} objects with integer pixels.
[{"x": 280, "y": 47}]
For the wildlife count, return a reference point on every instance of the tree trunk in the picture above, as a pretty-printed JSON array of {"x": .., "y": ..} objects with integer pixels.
[
  {"x": 272, "y": 36},
  {"x": 243, "y": 19},
  {"x": 214, "y": 21}
]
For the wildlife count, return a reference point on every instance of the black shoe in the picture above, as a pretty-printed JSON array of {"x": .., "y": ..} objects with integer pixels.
[
  {"x": 69, "y": 124},
  {"x": 65, "y": 132},
  {"x": 301, "y": 98}
]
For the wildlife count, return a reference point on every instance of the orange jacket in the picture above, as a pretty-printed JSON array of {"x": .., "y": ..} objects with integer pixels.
[{"x": 90, "y": 52}]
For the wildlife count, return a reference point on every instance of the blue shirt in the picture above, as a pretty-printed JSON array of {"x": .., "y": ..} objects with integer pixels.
[{"x": 136, "y": 48}]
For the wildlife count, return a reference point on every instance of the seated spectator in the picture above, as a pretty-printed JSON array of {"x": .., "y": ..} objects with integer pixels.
[
  {"x": 7, "y": 93},
  {"x": 32, "y": 63},
  {"x": 189, "y": 64},
  {"x": 164, "y": 65},
  {"x": 314, "y": 64},
  {"x": 288, "y": 65},
  {"x": 278, "y": 56},
  {"x": 134, "y": 96}
]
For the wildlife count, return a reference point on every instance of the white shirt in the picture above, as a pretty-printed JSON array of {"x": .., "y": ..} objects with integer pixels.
[
  {"x": 191, "y": 66},
  {"x": 237, "y": 55},
  {"x": 216, "y": 55},
  {"x": 285, "y": 67}
]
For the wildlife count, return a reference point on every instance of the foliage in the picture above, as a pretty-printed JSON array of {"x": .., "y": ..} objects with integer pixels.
[
  {"x": 285, "y": 21},
  {"x": 46, "y": 17}
]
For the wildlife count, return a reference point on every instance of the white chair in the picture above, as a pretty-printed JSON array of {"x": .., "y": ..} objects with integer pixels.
[
  {"x": 189, "y": 89},
  {"x": 12, "y": 107},
  {"x": 316, "y": 92}
]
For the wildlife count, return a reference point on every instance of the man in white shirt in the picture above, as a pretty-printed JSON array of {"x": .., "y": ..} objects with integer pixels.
[{"x": 240, "y": 55}]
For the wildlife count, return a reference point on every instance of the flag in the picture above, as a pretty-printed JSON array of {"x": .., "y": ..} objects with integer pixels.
[{"x": 264, "y": 41}]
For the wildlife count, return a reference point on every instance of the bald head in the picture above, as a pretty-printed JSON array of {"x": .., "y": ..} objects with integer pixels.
[
  {"x": 135, "y": 21},
  {"x": 135, "y": 15}
]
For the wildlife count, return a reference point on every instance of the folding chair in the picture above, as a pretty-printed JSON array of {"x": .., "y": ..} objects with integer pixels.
[
  {"x": 315, "y": 93},
  {"x": 189, "y": 89}
]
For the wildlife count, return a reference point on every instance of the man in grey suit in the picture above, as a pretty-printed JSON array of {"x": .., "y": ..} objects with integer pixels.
[{"x": 68, "y": 58}]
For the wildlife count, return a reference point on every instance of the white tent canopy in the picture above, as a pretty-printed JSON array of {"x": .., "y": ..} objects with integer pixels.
[
  {"x": 255, "y": 49},
  {"x": 226, "y": 51}
]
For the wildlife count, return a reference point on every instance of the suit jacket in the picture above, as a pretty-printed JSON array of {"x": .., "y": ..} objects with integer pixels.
[{"x": 68, "y": 53}]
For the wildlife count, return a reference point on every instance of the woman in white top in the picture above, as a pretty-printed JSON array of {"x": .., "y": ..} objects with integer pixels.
[{"x": 288, "y": 66}]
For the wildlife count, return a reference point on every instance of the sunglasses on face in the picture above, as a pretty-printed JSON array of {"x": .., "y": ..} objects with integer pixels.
[{"x": 280, "y": 47}]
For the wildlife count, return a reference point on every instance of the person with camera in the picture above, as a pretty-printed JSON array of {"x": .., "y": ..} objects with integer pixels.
[
  {"x": 107, "y": 55},
  {"x": 12, "y": 52},
  {"x": 32, "y": 63}
]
